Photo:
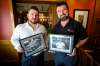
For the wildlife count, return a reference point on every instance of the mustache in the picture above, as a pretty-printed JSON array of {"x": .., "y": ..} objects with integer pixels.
[{"x": 63, "y": 17}]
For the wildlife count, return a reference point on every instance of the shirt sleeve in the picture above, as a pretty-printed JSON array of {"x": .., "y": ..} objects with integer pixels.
[
  {"x": 82, "y": 32},
  {"x": 15, "y": 38},
  {"x": 42, "y": 29}
]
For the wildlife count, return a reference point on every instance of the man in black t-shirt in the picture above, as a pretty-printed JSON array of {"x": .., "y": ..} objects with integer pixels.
[{"x": 68, "y": 26}]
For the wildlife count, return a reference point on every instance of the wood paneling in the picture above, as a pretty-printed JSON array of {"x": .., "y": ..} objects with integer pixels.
[
  {"x": 97, "y": 24},
  {"x": 6, "y": 19},
  {"x": 52, "y": 15},
  {"x": 97, "y": 18}
]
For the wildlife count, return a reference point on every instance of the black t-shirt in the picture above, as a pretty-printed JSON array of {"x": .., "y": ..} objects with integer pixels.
[{"x": 72, "y": 28}]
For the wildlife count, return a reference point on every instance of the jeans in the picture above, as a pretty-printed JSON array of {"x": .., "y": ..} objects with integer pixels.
[
  {"x": 62, "y": 59},
  {"x": 33, "y": 60}
]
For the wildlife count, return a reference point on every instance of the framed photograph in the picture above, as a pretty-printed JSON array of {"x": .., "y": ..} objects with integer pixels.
[
  {"x": 61, "y": 43},
  {"x": 81, "y": 15},
  {"x": 33, "y": 44}
]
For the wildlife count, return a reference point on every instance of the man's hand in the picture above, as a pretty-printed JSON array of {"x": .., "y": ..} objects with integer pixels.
[
  {"x": 19, "y": 49},
  {"x": 73, "y": 52}
]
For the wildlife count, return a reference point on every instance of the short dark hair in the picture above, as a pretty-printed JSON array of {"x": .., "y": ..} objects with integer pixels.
[
  {"x": 35, "y": 8},
  {"x": 62, "y": 3}
]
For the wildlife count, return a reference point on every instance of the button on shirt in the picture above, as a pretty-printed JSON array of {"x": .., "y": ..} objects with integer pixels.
[{"x": 25, "y": 30}]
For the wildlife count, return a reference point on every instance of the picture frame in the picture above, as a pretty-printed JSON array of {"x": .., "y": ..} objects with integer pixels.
[
  {"x": 33, "y": 44},
  {"x": 81, "y": 15},
  {"x": 61, "y": 43}
]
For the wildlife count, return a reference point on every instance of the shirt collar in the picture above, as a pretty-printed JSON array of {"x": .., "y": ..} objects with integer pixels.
[{"x": 27, "y": 24}]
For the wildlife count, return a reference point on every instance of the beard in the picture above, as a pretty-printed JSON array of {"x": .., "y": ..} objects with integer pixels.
[
  {"x": 33, "y": 21},
  {"x": 63, "y": 17}
]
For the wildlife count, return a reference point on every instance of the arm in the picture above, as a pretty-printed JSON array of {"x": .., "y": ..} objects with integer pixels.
[
  {"x": 15, "y": 40},
  {"x": 83, "y": 37},
  {"x": 45, "y": 36},
  {"x": 81, "y": 42}
]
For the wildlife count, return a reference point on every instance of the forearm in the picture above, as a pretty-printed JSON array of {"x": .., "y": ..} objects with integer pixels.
[
  {"x": 16, "y": 45},
  {"x": 81, "y": 43},
  {"x": 15, "y": 42}
]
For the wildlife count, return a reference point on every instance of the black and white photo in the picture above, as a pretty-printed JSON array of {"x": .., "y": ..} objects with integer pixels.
[
  {"x": 61, "y": 43},
  {"x": 33, "y": 44}
]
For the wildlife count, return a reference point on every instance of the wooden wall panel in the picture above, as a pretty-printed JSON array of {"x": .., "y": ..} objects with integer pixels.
[{"x": 6, "y": 19}]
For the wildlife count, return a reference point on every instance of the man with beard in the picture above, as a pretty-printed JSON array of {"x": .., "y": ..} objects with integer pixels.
[
  {"x": 31, "y": 27},
  {"x": 68, "y": 26}
]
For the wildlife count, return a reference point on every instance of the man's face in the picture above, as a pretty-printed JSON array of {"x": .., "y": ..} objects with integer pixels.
[
  {"x": 62, "y": 12},
  {"x": 33, "y": 16}
]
